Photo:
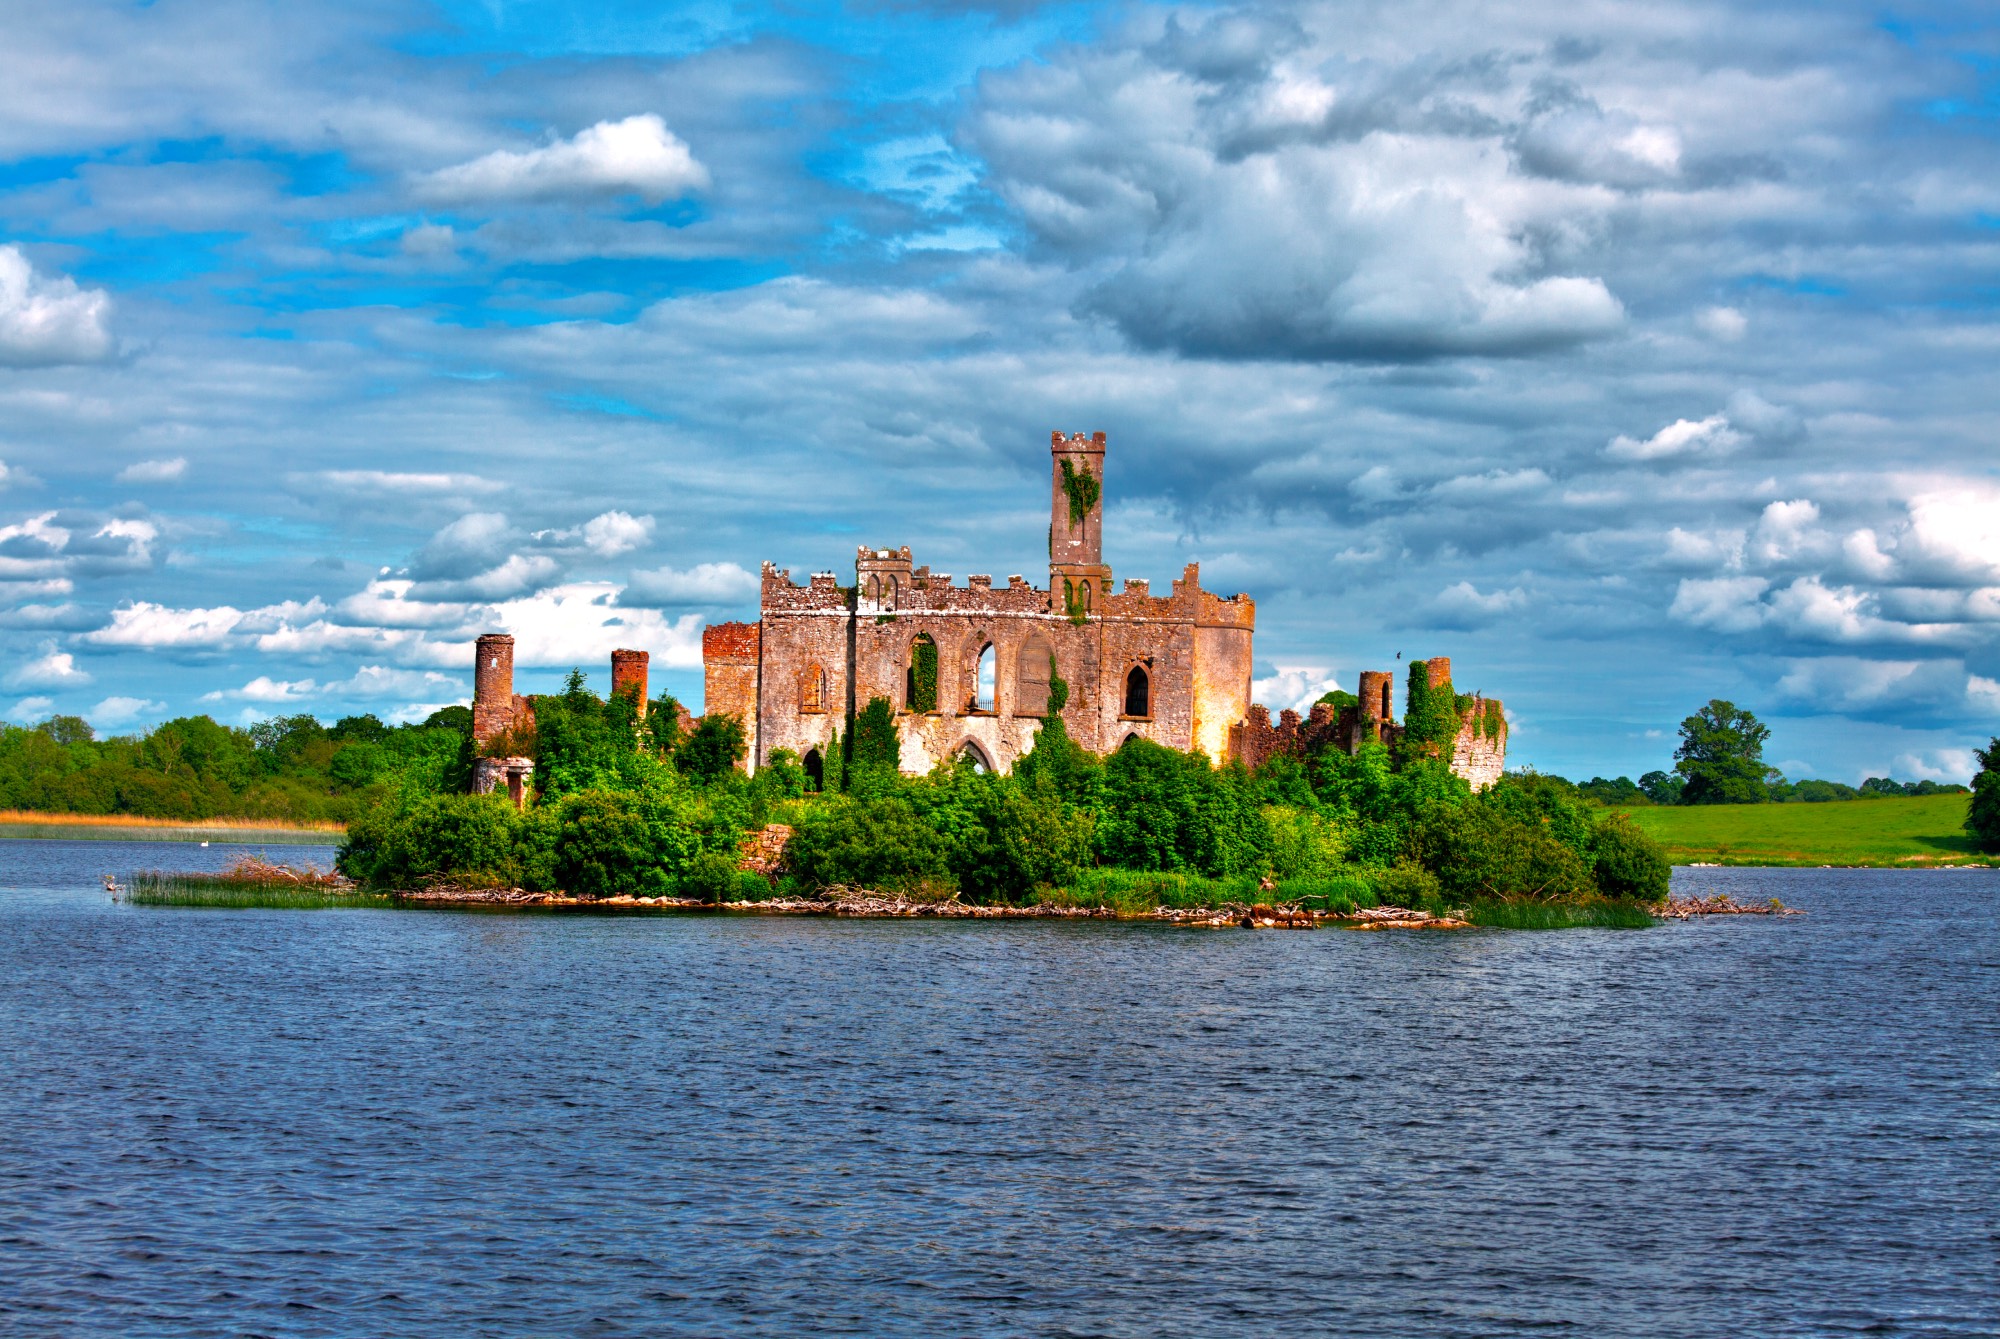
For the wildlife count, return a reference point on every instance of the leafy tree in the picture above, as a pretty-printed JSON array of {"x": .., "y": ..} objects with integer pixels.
[
  {"x": 1662, "y": 787},
  {"x": 1982, "y": 817},
  {"x": 663, "y": 724},
  {"x": 1061, "y": 767},
  {"x": 712, "y": 749},
  {"x": 68, "y": 730},
  {"x": 450, "y": 718},
  {"x": 1614, "y": 791},
  {"x": 1721, "y": 755},
  {"x": 365, "y": 729},
  {"x": 604, "y": 847},
  {"x": 873, "y": 741},
  {"x": 1167, "y": 810},
  {"x": 470, "y": 838}
]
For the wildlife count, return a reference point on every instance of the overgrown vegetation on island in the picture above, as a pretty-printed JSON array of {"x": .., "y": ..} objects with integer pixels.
[{"x": 624, "y": 809}]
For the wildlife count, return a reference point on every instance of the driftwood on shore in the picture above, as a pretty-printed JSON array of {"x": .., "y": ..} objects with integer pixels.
[
  {"x": 1687, "y": 908},
  {"x": 843, "y": 901}
]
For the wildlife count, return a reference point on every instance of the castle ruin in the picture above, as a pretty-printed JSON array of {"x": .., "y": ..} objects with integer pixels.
[{"x": 974, "y": 671}]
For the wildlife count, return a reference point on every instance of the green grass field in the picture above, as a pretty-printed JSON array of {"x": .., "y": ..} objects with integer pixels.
[{"x": 1890, "y": 834}]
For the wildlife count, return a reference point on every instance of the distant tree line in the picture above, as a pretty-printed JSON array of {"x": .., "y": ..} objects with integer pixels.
[{"x": 288, "y": 768}]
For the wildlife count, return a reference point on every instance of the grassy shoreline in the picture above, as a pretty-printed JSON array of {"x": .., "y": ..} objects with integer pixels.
[
  {"x": 254, "y": 882},
  {"x": 1917, "y": 832},
  {"x": 28, "y": 824}
]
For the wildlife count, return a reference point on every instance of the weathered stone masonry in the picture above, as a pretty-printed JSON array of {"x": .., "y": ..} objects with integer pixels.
[
  {"x": 1478, "y": 758},
  {"x": 1173, "y": 668}
]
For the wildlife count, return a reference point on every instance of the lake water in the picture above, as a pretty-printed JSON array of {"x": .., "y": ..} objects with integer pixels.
[{"x": 452, "y": 1123}]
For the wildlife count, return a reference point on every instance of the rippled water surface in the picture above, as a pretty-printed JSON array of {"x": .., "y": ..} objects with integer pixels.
[{"x": 379, "y": 1122}]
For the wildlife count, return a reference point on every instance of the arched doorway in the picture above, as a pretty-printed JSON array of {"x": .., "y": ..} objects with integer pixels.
[
  {"x": 815, "y": 766},
  {"x": 970, "y": 752}
]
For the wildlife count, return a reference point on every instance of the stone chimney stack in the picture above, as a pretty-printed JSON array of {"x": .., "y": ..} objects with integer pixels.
[{"x": 628, "y": 675}]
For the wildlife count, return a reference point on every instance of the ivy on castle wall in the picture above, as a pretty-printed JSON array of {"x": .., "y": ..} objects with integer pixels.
[
  {"x": 1083, "y": 490},
  {"x": 923, "y": 674},
  {"x": 1076, "y": 606},
  {"x": 1430, "y": 723},
  {"x": 1058, "y": 689},
  {"x": 1495, "y": 724}
]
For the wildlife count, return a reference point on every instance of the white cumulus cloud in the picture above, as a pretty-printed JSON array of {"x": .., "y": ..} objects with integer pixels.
[
  {"x": 1682, "y": 437},
  {"x": 704, "y": 583},
  {"x": 52, "y": 669},
  {"x": 263, "y": 688},
  {"x": 154, "y": 471},
  {"x": 48, "y": 320},
  {"x": 1293, "y": 688},
  {"x": 147, "y": 626},
  {"x": 636, "y": 156},
  {"x": 616, "y": 532},
  {"x": 116, "y": 711}
]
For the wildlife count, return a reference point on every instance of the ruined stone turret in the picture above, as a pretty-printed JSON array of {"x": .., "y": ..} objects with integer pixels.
[
  {"x": 1078, "y": 577},
  {"x": 628, "y": 675}
]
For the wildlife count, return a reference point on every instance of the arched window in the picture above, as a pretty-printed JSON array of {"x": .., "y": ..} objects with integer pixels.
[
  {"x": 972, "y": 753},
  {"x": 889, "y": 592},
  {"x": 981, "y": 699},
  {"x": 1385, "y": 701},
  {"x": 874, "y": 589},
  {"x": 1138, "y": 692},
  {"x": 920, "y": 679},
  {"x": 1033, "y": 668},
  {"x": 812, "y": 691},
  {"x": 815, "y": 766}
]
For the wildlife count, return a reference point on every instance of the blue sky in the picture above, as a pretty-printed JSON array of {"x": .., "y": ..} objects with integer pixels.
[{"x": 1629, "y": 355}]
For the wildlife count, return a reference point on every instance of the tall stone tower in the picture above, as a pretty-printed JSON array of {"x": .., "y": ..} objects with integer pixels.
[
  {"x": 1078, "y": 577},
  {"x": 492, "y": 687}
]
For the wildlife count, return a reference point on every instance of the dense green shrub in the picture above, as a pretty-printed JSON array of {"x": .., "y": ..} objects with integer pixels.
[
  {"x": 1405, "y": 885},
  {"x": 1059, "y": 766},
  {"x": 871, "y": 843},
  {"x": 1628, "y": 863},
  {"x": 1484, "y": 851},
  {"x": 467, "y": 838},
  {"x": 711, "y": 877},
  {"x": 1163, "y": 809},
  {"x": 1016, "y": 843},
  {"x": 605, "y": 846},
  {"x": 1305, "y": 844}
]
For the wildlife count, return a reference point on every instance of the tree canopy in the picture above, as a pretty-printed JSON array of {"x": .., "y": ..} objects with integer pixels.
[{"x": 1721, "y": 756}]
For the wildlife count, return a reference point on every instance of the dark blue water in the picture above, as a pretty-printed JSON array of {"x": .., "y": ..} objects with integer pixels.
[{"x": 416, "y": 1123}]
